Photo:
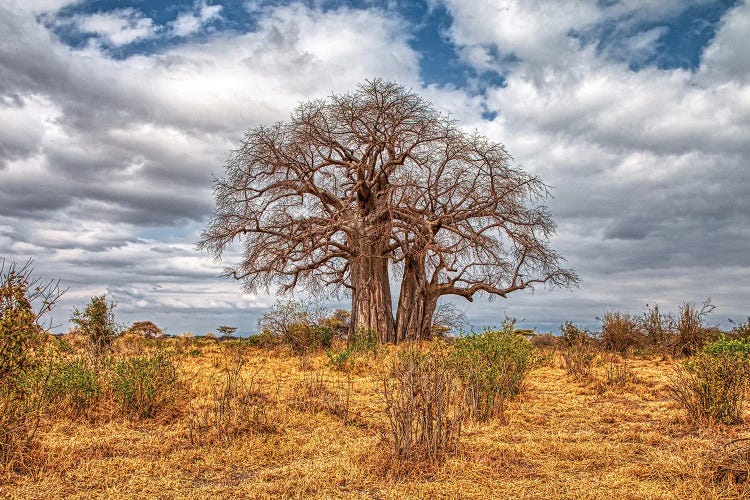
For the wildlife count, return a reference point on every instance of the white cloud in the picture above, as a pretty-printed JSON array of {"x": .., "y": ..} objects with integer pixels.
[
  {"x": 726, "y": 58},
  {"x": 117, "y": 27},
  {"x": 638, "y": 48},
  {"x": 40, "y": 6},
  {"x": 531, "y": 30},
  {"x": 188, "y": 23}
]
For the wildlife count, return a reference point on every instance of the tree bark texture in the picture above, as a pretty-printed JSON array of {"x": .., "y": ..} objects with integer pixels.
[{"x": 371, "y": 296}]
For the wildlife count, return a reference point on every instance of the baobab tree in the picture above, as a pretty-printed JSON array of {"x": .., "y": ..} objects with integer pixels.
[
  {"x": 470, "y": 224},
  {"x": 352, "y": 185}
]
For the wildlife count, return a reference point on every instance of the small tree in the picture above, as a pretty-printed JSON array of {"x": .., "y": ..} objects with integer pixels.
[
  {"x": 297, "y": 325},
  {"x": 97, "y": 323},
  {"x": 339, "y": 321},
  {"x": 227, "y": 331},
  {"x": 146, "y": 328},
  {"x": 24, "y": 299},
  {"x": 448, "y": 318}
]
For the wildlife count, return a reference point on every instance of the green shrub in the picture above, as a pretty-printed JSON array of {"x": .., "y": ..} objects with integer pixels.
[
  {"x": 363, "y": 340},
  {"x": 340, "y": 359},
  {"x": 144, "y": 386},
  {"x": 73, "y": 385},
  {"x": 97, "y": 323},
  {"x": 724, "y": 345},
  {"x": 492, "y": 365},
  {"x": 712, "y": 385}
]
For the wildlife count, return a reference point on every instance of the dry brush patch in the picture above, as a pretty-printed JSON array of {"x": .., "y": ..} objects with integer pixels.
[{"x": 561, "y": 438}]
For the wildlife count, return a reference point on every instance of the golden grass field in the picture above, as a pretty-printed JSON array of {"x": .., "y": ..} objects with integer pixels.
[{"x": 322, "y": 435}]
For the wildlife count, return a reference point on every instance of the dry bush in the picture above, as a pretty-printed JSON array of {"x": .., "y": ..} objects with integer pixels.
[
  {"x": 713, "y": 385},
  {"x": 659, "y": 330},
  {"x": 545, "y": 341},
  {"x": 617, "y": 371},
  {"x": 580, "y": 350},
  {"x": 423, "y": 404},
  {"x": 691, "y": 332},
  {"x": 238, "y": 404},
  {"x": 186, "y": 345},
  {"x": 731, "y": 462},
  {"x": 740, "y": 330},
  {"x": 316, "y": 393},
  {"x": 620, "y": 333}
]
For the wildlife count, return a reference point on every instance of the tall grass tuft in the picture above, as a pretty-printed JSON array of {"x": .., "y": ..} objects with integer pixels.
[{"x": 238, "y": 403}]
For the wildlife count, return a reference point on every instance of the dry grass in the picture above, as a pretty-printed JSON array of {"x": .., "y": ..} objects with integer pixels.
[{"x": 562, "y": 438}]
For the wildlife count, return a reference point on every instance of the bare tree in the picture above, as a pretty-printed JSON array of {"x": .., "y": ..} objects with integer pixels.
[
  {"x": 448, "y": 318},
  {"x": 352, "y": 184},
  {"x": 470, "y": 224}
]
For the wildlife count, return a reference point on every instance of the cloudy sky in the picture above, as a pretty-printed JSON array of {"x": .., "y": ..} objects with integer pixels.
[{"x": 115, "y": 115}]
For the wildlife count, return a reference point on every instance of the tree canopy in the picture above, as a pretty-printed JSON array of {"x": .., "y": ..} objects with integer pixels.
[{"x": 358, "y": 188}]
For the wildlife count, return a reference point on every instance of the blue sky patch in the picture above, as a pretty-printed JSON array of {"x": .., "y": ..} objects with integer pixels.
[{"x": 679, "y": 40}]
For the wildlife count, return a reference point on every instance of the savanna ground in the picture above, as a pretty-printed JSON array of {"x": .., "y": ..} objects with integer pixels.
[{"x": 317, "y": 432}]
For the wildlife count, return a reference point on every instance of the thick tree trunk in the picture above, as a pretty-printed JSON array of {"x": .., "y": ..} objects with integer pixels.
[
  {"x": 371, "y": 296},
  {"x": 429, "y": 312},
  {"x": 372, "y": 307},
  {"x": 416, "y": 304},
  {"x": 411, "y": 301}
]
